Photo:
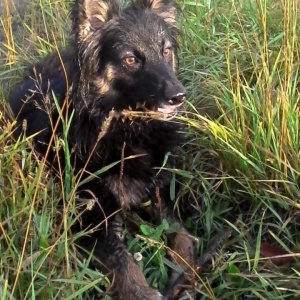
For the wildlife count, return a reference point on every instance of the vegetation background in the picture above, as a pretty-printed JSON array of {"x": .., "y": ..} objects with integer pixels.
[{"x": 240, "y": 63}]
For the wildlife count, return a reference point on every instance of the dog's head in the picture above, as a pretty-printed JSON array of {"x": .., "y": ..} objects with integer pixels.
[{"x": 127, "y": 55}]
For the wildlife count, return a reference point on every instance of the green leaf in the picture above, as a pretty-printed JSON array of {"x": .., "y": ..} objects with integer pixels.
[
  {"x": 234, "y": 272},
  {"x": 174, "y": 227},
  {"x": 147, "y": 230}
]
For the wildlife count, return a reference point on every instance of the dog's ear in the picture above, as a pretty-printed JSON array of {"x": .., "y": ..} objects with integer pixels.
[
  {"x": 90, "y": 15},
  {"x": 163, "y": 8}
]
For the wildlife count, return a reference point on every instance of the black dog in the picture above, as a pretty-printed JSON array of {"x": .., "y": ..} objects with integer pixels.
[{"x": 116, "y": 85}]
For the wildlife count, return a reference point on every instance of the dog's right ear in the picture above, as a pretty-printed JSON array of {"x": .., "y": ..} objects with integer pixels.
[
  {"x": 90, "y": 15},
  {"x": 163, "y": 8}
]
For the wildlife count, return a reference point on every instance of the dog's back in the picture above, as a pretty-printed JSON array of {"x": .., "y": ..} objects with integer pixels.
[{"x": 32, "y": 102}]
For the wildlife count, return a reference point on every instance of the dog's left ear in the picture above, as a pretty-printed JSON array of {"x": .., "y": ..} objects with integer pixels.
[{"x": 163, "y": 8}]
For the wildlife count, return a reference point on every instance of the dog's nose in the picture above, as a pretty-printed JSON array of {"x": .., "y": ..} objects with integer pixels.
[
  {"x": 175, "y": 94},
  {"x": 178, "y": 98}
]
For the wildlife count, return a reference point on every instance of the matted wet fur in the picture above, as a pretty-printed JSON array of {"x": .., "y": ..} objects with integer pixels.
[{"x": 116, "y": 82}]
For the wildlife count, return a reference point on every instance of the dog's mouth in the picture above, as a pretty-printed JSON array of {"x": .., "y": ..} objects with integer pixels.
[
  {"x": 164, "y": 111},
  {"x": 169, "y": 108}
]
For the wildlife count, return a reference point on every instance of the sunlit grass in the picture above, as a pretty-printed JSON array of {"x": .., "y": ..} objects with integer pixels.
[{"x": 242, "y": 68}]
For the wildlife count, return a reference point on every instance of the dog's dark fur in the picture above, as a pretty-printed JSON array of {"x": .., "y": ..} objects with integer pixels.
[{"x": 117, "y": 76}]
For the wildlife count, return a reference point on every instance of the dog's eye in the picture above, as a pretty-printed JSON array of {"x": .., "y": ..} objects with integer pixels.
[
  {"x": 167, "y": 53},
  {"x": 130, "y": 60}
]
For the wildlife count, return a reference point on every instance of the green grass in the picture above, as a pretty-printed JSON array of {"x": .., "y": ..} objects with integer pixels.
[{"x": 240, "y": 62}]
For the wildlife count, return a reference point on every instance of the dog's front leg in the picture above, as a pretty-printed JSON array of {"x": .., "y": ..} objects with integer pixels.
[
  {"x": 182, "y": 253},
  {"x": 128, "y": 282}
]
